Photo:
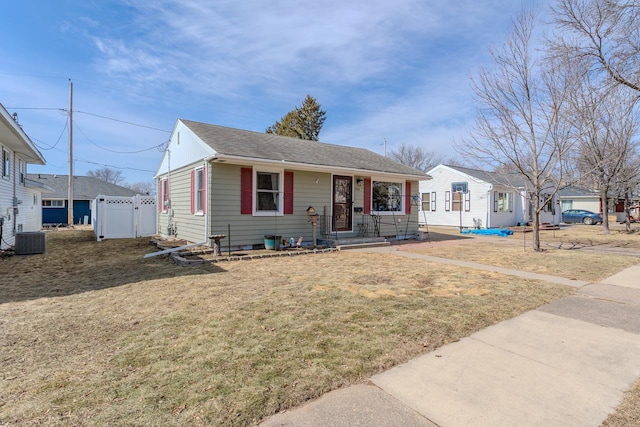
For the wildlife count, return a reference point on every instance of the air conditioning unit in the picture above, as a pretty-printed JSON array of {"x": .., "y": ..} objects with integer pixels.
[{"x": 29, "y": 243}]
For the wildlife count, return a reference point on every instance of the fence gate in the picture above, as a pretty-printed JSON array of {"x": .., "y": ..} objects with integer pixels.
[{"x": 124, "y": 217}]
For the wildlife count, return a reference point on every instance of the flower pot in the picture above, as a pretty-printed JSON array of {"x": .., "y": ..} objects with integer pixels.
[{"x": 272, "y": 242}]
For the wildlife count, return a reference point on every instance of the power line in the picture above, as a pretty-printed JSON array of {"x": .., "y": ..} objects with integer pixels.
[
  {"x": 122, "y": 121},
  {"x": 111, "y": 166},
  {"x": 66, "y": 123},
  {"x": 114, "y": 151}
]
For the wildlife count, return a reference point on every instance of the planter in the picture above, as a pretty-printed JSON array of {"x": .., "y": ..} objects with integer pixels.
[{"x": 272, "y": 242}]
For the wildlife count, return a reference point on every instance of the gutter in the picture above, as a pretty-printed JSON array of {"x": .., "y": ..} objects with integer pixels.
[{"x": 220, "y": 158}]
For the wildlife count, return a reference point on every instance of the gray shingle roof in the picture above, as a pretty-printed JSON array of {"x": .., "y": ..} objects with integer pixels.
[
  {"x": 255, "y": 145},
  {"x": 84, "y": 187},
  {"x": 571, "y": 191},
  {"x": 507, "y": 179}
]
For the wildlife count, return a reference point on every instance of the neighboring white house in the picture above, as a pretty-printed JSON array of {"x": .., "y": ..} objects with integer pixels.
[
  {"x": 20, "y": 197},
  {"x": 472, "y": 198}
]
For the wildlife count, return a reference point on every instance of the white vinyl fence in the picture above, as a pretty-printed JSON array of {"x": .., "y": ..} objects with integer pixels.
[{"x": 124, "y": 217}]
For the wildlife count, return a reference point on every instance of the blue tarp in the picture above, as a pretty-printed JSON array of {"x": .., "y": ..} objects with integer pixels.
[{"x": 502, "y": 232}]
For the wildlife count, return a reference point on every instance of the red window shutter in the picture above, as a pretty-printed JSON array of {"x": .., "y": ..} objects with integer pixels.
[
  {"x": 288, "y": 193},
  {"x": 367, "y": 196},
  {"x": 246, "y": 191},
  {"x": 205, "y": 187},
  {"x": 160, "y": 196},
  {"x": 407, "y": 198},
  {"x": 193, "y": 186}
]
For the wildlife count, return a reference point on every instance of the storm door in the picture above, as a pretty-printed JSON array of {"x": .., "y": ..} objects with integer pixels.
[{"x": 342, "y": 202}]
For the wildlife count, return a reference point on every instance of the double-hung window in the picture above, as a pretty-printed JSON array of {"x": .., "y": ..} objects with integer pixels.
[
  {"x": 198, "y": 191},
  {"x": 268, "y": 186},
  {"x": 426, "y": 202},
  {"x": 387, "y": 196}
]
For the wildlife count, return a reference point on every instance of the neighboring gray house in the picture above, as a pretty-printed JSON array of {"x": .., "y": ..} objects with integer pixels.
[
  {"x": 215, "y": 180},
  {"x": 85, "y": 189},
  {"x": 19, "y": 197},
  {"x": 473, "y": 198},
  {"x": 579, "y": 198}
]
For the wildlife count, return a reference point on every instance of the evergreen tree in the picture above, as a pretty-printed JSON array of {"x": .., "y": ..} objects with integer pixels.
[{"x": 304, "y": 122}]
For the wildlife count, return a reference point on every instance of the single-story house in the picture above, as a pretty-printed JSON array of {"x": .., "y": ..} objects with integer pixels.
[
  {"x": 19, "y": 196},
  {"x": 215, "y": 180},
  {"x": 55, "y": 203},
  {"x": 471, "y": 198},
  {"x": 579, "y": 198}
]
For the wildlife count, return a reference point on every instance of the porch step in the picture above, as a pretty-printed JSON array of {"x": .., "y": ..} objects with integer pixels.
[{"x": 347, "y": 246}]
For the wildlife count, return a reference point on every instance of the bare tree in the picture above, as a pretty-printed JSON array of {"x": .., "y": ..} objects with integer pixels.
[
  {"x": 602, "y": 32},
  {"x": 419, "y": 158},
  {"x": 604, "y": 123},
  {"x": 107, "y": 174},
  {"x": 629, "y": 184},
  {"x": 146, "y": 187},
  {"x": 519, "y": 124}
]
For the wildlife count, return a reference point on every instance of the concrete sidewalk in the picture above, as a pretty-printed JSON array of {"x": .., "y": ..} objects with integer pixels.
[{"x": 565, "y": 364}]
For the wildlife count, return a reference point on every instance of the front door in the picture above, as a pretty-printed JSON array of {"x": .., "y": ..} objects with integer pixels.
[{"x": 342, "y": 201}]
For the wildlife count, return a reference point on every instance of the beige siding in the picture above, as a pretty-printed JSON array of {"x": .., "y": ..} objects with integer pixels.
[
  {"x": 188, "y": 226},
  {"x": 248, "y": 229}
]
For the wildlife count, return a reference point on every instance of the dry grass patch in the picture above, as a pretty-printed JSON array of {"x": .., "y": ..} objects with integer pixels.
[
  {"x": 515, "y": 252},
  {"x": 628, "y": 413},
  {"x": 93, "y": 334}
]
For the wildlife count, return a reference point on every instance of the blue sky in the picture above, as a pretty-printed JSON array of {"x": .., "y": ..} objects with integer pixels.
[{"x": 382, "y": 70}]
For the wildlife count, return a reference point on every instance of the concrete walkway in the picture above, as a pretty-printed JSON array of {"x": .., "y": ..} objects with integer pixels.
[{"x": 565, "y": 364}]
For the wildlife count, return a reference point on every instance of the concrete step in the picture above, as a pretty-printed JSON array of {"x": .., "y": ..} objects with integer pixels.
[{"x": 347, "y": 246}]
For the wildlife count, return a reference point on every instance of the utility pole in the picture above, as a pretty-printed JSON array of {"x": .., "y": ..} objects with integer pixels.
[
  {"x": 70, "y": 195},
  {"x": 385, "y": 147}
]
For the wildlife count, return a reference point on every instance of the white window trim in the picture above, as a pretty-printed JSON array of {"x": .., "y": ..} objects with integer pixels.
[
  {"x": 280, "y": 211},
  {"x": 199, "y": 212},
  {"x": 403, "y": 187},
  {"x": 53, "y": 207}
]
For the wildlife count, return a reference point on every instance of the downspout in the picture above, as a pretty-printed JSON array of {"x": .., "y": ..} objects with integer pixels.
[
  {"x": 488, "y": 222},
  {"x": 207, "y": 231},
  {"x": 169, "y": 212}
]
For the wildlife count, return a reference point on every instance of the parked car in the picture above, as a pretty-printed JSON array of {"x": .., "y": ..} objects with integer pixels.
[{"x": 580, "y": 215}]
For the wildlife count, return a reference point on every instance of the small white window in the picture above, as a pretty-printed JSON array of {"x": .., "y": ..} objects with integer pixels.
[{"x": 268, "y": 185}]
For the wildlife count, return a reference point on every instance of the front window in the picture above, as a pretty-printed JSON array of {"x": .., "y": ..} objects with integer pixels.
[
  {"x": 504, "y": 202},
  {"x": 267, "y": 187},
  {"x": 548, "y": 203},
  {"x": 387, "y": 196},
  {"x": 458, "y": 189}
]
